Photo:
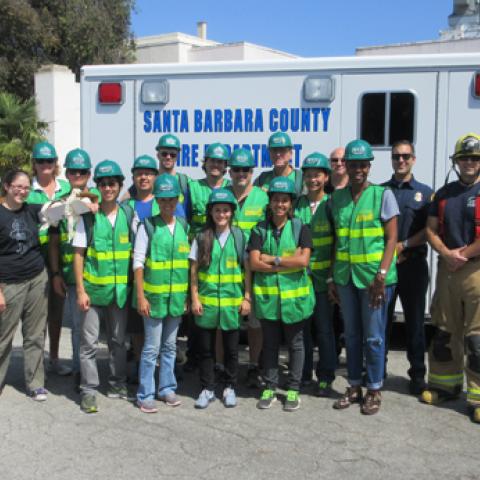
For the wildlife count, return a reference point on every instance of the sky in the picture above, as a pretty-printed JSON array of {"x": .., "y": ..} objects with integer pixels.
[{"x": 301, "y": 27}]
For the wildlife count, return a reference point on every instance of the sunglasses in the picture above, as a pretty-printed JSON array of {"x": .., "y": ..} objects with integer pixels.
[
  {"x": 165, "y": 154},
  {"x": 107, "y": 183},
  {"x": 77, "y": 171},
  {"x": 45, "y": 160},
  {"x": 240, "y": 169},
  {"x": 337, "y": 160},
  {"x": 403, "y": 156}
]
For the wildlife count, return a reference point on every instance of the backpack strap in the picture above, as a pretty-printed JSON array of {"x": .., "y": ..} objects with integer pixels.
[
  {"x": 129, "y": 213},
  {"x": 297, "y": 228},
  {"x": 298, "y": 182},
  {"x": 239, "y": 240},
  {"x": 183, "y": 181}
]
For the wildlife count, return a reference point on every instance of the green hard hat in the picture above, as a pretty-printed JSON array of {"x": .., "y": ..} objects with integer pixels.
[
  {"x": 44, "y": 151},
  {"x": 145, "y": 161},
  {"x": 316, "y": 160},
  {"x": 168, "y": 141},
  {"x": 107, "y": 168},
  {"x": 358, "y": 150},
  {"x": 166, "y": 186},
  {"x": 279, "y": 140},
  {"x": 467, "y": 146},
  {"x": 282, "y": 185},
  {"x": 222, "y": 195},
  {"x": 78, "y": 159},
  {"x": 241, "y": 157},
  {"x": 218, "y": 151}
]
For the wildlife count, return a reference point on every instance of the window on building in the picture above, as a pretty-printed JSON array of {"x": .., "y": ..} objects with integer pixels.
[{"x": 387, "y": 117}]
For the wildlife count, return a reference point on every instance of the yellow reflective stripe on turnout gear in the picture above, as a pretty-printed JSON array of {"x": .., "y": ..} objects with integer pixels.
[
  {"x": 111, "y": 279},
  {"x": 175, "y": 287},
  {"x": 216, "y": 278},
  {"x": 320, "y": 242},
  {"x": 360, "y": 232},
  {"x": 166, "y": 264},
  {"x": 117, "y": 255},
  {"x": 220, "y": 302},
  {"x": 473, "y": 394},
  {"x": 274, "y": 290},
  {"x": 452, "y": 380},
  {"x": 360, "y": 257}
]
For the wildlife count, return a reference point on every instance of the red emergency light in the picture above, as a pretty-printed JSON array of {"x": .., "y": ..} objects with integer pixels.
[
  {"x": 110, "y": 93},
  {"x": 476, "y": 85}
]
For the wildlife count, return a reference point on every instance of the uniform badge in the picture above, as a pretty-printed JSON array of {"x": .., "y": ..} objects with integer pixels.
[{"x": 418, "y": 196}]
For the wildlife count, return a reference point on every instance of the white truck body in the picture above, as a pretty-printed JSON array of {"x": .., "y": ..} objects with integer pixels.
[{"x": 429, "y": 98}]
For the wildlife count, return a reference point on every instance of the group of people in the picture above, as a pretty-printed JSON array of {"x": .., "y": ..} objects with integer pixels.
[{"x": 288, "y": 254}]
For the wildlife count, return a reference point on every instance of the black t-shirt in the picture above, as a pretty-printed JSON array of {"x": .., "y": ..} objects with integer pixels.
[
  {"x": 304, "y": 240},
  {"x": 20, "y": 255},
  {"x": 459, "y": 213}
]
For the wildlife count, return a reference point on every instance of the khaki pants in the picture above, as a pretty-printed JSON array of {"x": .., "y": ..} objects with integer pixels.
[
  {"x": 26, "y": 301},
  {"x": 456, "y": 314}
]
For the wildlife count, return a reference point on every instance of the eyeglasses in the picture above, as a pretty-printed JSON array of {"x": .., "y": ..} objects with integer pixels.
[
  {"x": 166, "y": 154},
  {"x": 18, "y": 188},
  {"x": 45, "y": 160},
  {"x": 107, "y": 183},
  {"x": 240, "y": 169},
  {"x": 337, "y": 160},
  {"x": 466, "y": 159},
  {"x": 77, "y": 171},
  {"x": 403, "y": 156}
]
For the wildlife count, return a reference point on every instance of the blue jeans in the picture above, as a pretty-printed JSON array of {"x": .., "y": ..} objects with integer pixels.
[
  {"x": 324, "y": 337},
  {"x": 364, "y": 333},
  {"x": 160, "y": 337}
]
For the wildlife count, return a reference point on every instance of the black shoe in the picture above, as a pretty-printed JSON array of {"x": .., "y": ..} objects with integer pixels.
[
  {"x": 254, "y": 379},
  {"x": 416, "y": 386}
]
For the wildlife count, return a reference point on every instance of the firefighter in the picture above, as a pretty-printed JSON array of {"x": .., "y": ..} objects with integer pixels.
[
  {"x": 280, "y": 149},
  {"x": 453, "y": 231}
]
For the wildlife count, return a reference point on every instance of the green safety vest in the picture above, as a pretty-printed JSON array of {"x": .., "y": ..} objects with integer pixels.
[
  {"x": 360, "y": 242},
  {"x": 264, "y": 179},
  {"x": 107, "y": 261},
  {"x": 39, "y": 197},
  {"x": 221, "y": 288},
  {"x": 165, "y": 278},
  {"x": 287, "y": 296},
  {"x": 322, "y": 235},
  {"x": 251, "y": 212},
  {"x": 200, "y": 191},
  {"x": 66, "y": 249}
]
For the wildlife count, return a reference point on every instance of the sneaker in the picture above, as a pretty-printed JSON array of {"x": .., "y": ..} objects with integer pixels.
[
  {"x": 39, "y": 394},
  {"x": 254, "y": 379},
  {"x": 229, "y": 398},
  {"x": 119, "y": 392},
  {"x": 434, "y": 397},
  {"x": 267, "y": 399},
  {"x": 170, "y": 399},
  {"x": 371, "y": 403},
  {"x": 292, "y": 402},
  {"x": 89, "y": 404},
  {"x": 205, "y": 398},
  {"x": 351, "y": 395},
  {"x": 324, "y": 390},
  {"x": 54, "y": 366},
  {"x": 147, "y": 406}
]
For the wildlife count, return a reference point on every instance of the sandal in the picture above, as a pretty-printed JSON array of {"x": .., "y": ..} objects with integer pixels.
[
  {"x": 372, "y": 402},
  {"x": 351, "y": 395}
]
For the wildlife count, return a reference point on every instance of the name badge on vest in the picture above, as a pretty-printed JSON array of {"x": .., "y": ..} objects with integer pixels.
[
  {"x": 124, "y": 238},
  {"x": 418, "y": 196}
]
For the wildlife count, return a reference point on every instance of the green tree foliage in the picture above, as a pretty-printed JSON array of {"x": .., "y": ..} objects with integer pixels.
[
  {"x": 19, "y": 131},
  {"x": 66, "y": 32}
]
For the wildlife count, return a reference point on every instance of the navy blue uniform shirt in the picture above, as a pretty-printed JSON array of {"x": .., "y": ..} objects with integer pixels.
[
  {"x": 413, "y": 200},
  {"x": 459, "y": 213}
]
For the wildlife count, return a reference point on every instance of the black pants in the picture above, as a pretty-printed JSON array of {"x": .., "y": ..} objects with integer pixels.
[
  {"x": 272, "y": 335},
  {"x": 206, "y": 343},
  {"x": 411, "y": 288}
]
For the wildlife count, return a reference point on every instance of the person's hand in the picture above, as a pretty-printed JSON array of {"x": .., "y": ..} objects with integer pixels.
[
  {"x": 186, "y": 306},
  {"x": 93, "y": 207},
  {"x": 377, "y": 291},
  {"x": 455, "y": 259},
  {"x": 197, "y": 308},
  {"x": 332, "y": 293},
  {"x": 268, "y": 259},
  {"x": 59, "y": 286},
  {"x": 245, "y": 307},
  {"x": 83, "y": 301},
  {"x": 143, "y": 306},
  {"x": 3, "y": 303}
]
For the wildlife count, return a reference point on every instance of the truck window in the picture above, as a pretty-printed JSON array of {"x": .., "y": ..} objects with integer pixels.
[{"x": 387, "y": 117}]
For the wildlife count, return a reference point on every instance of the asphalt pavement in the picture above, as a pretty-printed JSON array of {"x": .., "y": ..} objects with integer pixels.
[{"x": 405, "y": 440}]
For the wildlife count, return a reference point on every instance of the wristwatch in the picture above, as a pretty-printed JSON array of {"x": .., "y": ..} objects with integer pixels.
[
  {"x": 382, "y": 272},
  {"x": 405, "y": 243},
  {"x": 277, "y": 261}
]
